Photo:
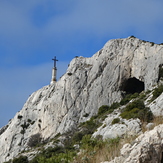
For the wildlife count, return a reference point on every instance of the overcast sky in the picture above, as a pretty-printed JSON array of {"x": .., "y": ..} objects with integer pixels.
[{"x": 32, "y": 32}]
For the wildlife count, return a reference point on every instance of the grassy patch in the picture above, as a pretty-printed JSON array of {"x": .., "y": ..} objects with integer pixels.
[{"x": 97, "y": 150}]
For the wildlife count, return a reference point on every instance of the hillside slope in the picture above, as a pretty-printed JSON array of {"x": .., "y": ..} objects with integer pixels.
[{"x": 122, "y": 66}]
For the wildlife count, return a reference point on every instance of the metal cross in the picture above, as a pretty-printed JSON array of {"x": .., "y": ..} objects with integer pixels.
[{"x": 55, "y": 60}]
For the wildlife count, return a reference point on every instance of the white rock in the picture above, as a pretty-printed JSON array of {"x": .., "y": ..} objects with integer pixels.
[
  {"x": 88, "y": 84},
  {"x": 156, "y": 106},
  {"x": 146, "y": 148},
  {"x": 124, "y": 127}
]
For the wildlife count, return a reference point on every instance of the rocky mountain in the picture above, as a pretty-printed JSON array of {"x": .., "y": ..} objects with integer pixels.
[{"x": 121, "y": 67}]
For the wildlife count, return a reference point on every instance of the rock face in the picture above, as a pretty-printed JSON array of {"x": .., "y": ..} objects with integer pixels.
[
  {"x": 156, "y": 106},
  {"x": 147, "y": 148},
  {"x": 124, "y": 127},
  {"x": 88, "y": 84}
]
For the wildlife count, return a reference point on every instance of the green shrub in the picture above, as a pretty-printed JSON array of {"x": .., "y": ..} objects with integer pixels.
[
  {"x": 137, "y": 109},
  {"x": 93, "y": 148},
  {"x": 128, "y": 98},
  {"x": 145, "y": 115},
  {"x": 108, "y": 109},
  {"x": 50, "y": 151},
  {"x": 103, "y": 109},
  {"x": 114, "y": 106},
  {"x": 116, "y": 120},
  {"x": 88, "y": 143},
  {"x": 157, "y": 92},
  {"x": 90, "y": 126},
  {"x": 142, "y": 96},
  {"x": 160, "y": 74},
  {"x": 130, "y": 114},
  {"x": 77, "y": 137},
  {"x": 54, "y": 155},
  {"x": 113, "y": 141},
  {"x": 135, "y": 104},
  {"x": 21, "y": 159}
]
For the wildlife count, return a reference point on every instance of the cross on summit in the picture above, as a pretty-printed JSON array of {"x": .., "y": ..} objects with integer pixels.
[
  {"x": 54, "y": 72},
  {"x": 55, "y": 60}
]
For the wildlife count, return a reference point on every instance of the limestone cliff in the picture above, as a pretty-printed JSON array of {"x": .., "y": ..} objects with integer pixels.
[{"x": 122, "y": 65}]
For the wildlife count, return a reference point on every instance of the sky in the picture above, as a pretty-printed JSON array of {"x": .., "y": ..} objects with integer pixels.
[{"x": 33, "y": 32}]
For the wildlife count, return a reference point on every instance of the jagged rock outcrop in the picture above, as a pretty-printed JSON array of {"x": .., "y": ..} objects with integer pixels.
[
  {"x": 156, "y": 106},
  {"x": 87, "y": 84},
  {"x": 147, "y": 148},
  {"x": 122, "y": 128}
]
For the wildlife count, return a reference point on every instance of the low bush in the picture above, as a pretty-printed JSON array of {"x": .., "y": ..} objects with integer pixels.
[
  {"x": 97, "y": 150},
  {"x": 128, "y": 98},
  {"x": 34, "y": 140},
  {"x": 137, "y": 109},
  {"x": 160, "y": 73},
  {"x": 57, "y": 154},
  {"x": 114, "y": 106},
  {"x": 88, "y": 142},
  {"x": 77, "y": 137},
  {"x": 21, "y": 159},
  {"x": 116, "y": 120},
  {"x": 157, "y": 92},
  {"x": 91, "y": 125},
  {"x": 105, "y": 109}
]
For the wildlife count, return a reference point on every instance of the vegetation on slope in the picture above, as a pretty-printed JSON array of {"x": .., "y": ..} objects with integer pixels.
[{"x": 80, "y": 147}]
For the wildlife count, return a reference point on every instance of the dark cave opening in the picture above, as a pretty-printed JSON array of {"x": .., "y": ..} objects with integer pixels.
[
  {"x": 162, "y": 158},
  {"x": 132, "y": 85}
]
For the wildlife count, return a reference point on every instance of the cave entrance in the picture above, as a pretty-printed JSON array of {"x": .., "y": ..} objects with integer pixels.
[
  {"x": 162, "y": 158},
  {"x": 132, "y": 85}
]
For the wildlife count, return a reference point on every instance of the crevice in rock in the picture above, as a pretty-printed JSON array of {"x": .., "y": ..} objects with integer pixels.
[
  {"x": 160, "y": 73},
  {"x": 3, "y": 129},
  {"x": 132, "y": 85},
  {"x": 162, "y": 158}
]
